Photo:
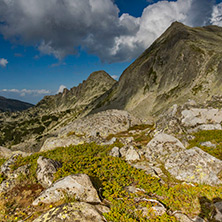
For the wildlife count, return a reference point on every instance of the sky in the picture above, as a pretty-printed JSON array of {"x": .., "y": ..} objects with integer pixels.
[{"x": 46, "y": 46}]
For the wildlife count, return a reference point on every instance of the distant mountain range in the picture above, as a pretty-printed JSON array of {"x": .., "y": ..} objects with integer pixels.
[{"x": 13, "y": 105}]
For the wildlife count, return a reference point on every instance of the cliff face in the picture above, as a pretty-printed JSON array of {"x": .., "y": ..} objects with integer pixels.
[{"x": 184, "y": 63}]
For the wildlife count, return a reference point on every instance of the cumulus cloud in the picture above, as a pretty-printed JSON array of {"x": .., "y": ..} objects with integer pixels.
[
  {"x": 3, "y": 62},
  {"x": 24, "y": 92},
  {"x": 115, "y": 77},
  {"x": 61, "y": 88},
  {"x": 217, "y": 15},
  {"x": 62, "y": 27}
]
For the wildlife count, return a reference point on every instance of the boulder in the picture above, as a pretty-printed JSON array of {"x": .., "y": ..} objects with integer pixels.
[
  {"x": 55, "y": 142},
  {"x": 123, "y": 151},
  {"x": 194, "y": 165},
  {"x": 102, "y": 124},
  {"x": 77, "y": 211},
  {"x": 5, "y": 153},
  {"x": 161, "y": 146},
  {"x": 196, "y": 116},
  {"x": 45, "y": 171},
  {"x": 110, "y": 142},
  {"x": 78, "y": 186},
  {"x": 115, "y": 152},
  {"x": 132, "y": 154},
  {"x": 218, "y": 209},
  {"x": 208, "y": 144}
]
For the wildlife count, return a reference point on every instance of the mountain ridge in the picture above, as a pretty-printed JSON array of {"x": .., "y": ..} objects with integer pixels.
[
  {"x": 183, "y": 63},
  {"x": 13, "y": 105}
]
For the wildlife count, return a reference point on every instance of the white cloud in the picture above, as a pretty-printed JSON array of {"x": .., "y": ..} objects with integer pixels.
[
  {"x": 61, "y": 88},
  {"x": 3, "y": 62},
  {"x": 60, "y": 28},
  {"x": 24, "y": 92},
  {"x": 216, "y": 18},
  {"x": 115, "y": 77}
]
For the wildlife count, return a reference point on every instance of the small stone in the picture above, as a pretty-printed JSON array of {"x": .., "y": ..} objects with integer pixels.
[
  {"x": 115, "y": 152},
  {"x": 132, "y": 154},
  {"x": 208, "y": 144}
]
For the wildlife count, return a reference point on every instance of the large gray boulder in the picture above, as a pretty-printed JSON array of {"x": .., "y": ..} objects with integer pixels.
[
  {"x": 161, "y": 146},
  {"x": 196, "y": 116},
  {"x": 194, "y": 165},
  {"x": 55, "y": 142},
  {"x": 102, "y": 124},
  {"x": 78, "y": 186},
  {"x": 46, "y": 170},
  {"x": 77, "y": 211}
]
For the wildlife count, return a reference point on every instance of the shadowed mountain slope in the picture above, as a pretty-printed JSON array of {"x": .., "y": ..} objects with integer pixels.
[
  {"x": 13, "y": 105},
  {"x": 182, "y": 64}
]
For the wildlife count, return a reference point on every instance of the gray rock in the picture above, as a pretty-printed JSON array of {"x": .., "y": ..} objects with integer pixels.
[
  {"x": 218, "y": 208},
  {"x": 161, "y": 146},
  {"x": 132, "y": 154},
  {"x": 55, "y": 142},
  {"x": 110, "y": 142},
  {"x": 78, "y": 186},
  {"x": 123, "y": 150},
  {"x": 6, "y": 166},
  {"x": 46, "y": 170},
  {"x": 194, "y": 165},
  {"x": 205, "y": 127},
  {"x": 115, "y": 152},
  {"x": 5, "y": 153},
  {"x": 102, "y": 124},
  {"x": 12, "y": 178},
  {"x": 147, "y": 167},
  {"x": 208, "y": 144},
  {"x": 184, "y": 218},
  {"x": 77, "y": 211},
  {"x": 194, "y": 116}
]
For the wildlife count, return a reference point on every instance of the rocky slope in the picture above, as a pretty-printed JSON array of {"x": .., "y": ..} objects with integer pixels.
[
  {"x": 182, "y": 64},
  {"x": 12, "y": 105},
  {"x": 27, "y": 130}
]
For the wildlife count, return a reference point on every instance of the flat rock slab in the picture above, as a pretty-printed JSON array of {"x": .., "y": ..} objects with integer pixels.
[
  {"x": 55, "y": 142},
  {"x": 77, "y": 211},
  {"x": 78, "y": 186},
  {"x": 161, "y": 146},
  {"x": 102, "y": 124},
  {"x": 194, "y": 165},
  {"x": 194, "y": 116}
]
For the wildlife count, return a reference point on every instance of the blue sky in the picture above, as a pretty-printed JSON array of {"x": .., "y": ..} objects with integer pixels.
[{"x": 48, "y": 44}]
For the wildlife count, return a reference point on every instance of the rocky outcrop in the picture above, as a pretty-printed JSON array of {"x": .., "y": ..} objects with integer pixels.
[
  {"x": 77, "y": 211},
  {"x": 161, "y": 146},
  {"x": 194, "y": 165},
  {"x": 102, "y": 124},
  {"x": 46, "y": 170},
  {"x": 78, "y": 186}
]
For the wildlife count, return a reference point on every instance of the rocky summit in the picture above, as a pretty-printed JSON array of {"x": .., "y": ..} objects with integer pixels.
[{"x": 145, "y": 148}]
